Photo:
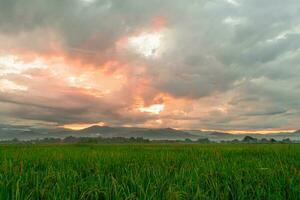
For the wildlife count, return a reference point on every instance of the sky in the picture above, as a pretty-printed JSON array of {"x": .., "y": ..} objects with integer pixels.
[{"x": 199, "y": 64}]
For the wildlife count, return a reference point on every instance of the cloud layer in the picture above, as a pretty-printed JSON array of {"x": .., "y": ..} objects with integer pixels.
[{"x": 217, "y": 64}]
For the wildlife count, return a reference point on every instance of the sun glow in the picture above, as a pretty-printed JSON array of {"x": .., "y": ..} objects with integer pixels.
[
  {"x": 154, "y": 109},
  {"x": 146, "y": 44},
  {"x": 10, "y": 64},
  {"x": 10, "y": 86},
  {"x": 81, "y": 126}
]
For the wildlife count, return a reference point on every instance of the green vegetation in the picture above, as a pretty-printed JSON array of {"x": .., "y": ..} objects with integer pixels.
[
  {"x": 140, "y": 140},
  {"x": 149, "y": 171}
]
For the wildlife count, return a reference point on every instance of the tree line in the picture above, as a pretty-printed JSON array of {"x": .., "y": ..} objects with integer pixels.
[{"x": 102, "y": 140}]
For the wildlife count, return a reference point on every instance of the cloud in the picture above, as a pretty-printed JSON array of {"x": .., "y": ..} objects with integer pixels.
[{"x": 215, "y": 65}]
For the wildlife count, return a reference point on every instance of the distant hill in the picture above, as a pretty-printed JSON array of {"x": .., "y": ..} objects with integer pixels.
[
  {"x": 209, "y": 134},
  {"x": 222, "y": 134},
  {"x": 27, "y": 133},
  {"x": 166, "y": 133},
  {"x": 8, "y": 132},
  {"x": 96, "y": 129}
]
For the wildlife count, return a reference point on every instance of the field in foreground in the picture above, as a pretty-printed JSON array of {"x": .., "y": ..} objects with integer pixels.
[{"x": 211, "y": 171}]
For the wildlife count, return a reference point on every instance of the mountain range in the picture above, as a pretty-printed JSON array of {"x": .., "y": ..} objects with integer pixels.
[{"x": 8, "y": 132}]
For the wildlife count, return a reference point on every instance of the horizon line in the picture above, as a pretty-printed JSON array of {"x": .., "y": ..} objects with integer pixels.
[{"x": 246, "y": 131}]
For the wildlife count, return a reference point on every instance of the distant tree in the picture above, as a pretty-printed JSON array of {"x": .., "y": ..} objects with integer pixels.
[
  {"x": 15, "y": 140},
  {"x": 286, "y": 140},
  {"x": 235, "y": 141},
  {"x": 249, "y": 139},
  {"x": 264, "y": 140},
  {"x": 188, "y": 140},
  {"x": 203, "y": 140},
  {"x": 70, "y": 139},
  {"x": 273, "y": 140}
]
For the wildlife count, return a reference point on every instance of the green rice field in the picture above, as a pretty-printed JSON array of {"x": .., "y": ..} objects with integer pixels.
[{"x": 150, "y": 171}]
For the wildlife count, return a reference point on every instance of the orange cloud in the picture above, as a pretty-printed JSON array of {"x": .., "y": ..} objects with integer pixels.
[{"x": 159, "y": 22}]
